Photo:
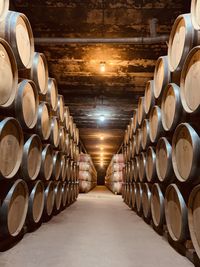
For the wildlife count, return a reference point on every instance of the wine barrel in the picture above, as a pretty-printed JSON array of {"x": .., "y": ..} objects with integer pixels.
[
  {"x": 4, "y": 6},
  {"x": 16, "y": 30},
  {"x": 64, "y": 194},
  {"x": 162, "y": 76},
  {"x": 164, "y": 166},
  {"x": 63, "y": 172},
  {"x": 186, "y": 153},
  {"x": 146, "y": 200},
  {"x": 14, "y": 206},
  {"x": 155, "y": 124},
  {"x": 62, "y": 138},
  {"x": 60, "y": 108},
  {"x": 77, "y": 136},
  {"x": 133, "y": 196},
  {"x": 189, "y": 89},
  {"x": 171, "y": 107},
  {"x": 47, "y": 163},
  {"x": 58, "y": 195},
  {"x": 67, "y": 144},
  {"x": 195, "y": 14},
  {"x": 11, "y": 147},
  {"x": 136, "y": 168},
  {"x": 9, "y": 74},
  {"x": 142, "y": 166},
  {"x": 182, "y": 38},
  {"x": 54, "y": 137},
  {"x": 138, "y": 140},
  {"x": 39, "y": 72},
  {"x": 52, "y": 94},
  {"x": 26, "y": 104},
  {"x": 145, "y": 134},
  {"x": 35, "y": 203},
  {"x": 157, "y": 206},
  {"x": 56, "y": 165},
  {"x": 131, "y": 129},
  {"x": 49, "y": 199},
  {"x": 66, "y": 116},
  {"x": 141, "y": 111},
  {"x": 31, "y": 159},
  {"x": 176, "y": 214},
  {"x": 43, "y": 126},
  {"x": 193, "y": 217},
  {"x": 139, "y": 197},
  {"x": 131, "y": 171},
  {"x": 151, "y": 165},
  {"x": 135, "y": 120},
  {"x": 133, "y": 149},
  {"x": 149, "y": 99}
]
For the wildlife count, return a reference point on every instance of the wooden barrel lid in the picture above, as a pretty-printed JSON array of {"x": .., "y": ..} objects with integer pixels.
[
  {"x": 190, "y": 80},
  {"x": 44, "y": 122},
  {"x": 171, "y": 107},
  {"x": 58, "y": 195},
  {"x": 11, "y": 147},
  {"x": 175, "y": 213},
  {"x": 194, "y": 217},
  {"x": 185, "y": 152},
  {"x": 47, "y": 163},
  {"x": 17, "y": 206},
  {"x": 145, "y": 137},
  {"x": 146, "y": 200},
  {"x": 38, "y": 201},
  {"x": 52, "y": 93},
  {"x": 180, "y": 41},
  {"x": 157, "y": 205},
  {"x": 149, "y": 99},
  {"x": 195, "y": 14},
  {"x": 155, "y": 123},
  {"x": 162, "y": 76},
  {"x": 141, "y": 112},
  {"x": 60, "y": 109},
  {"x": 8, "y": 74},
  {"x": 39, "y": 72},
  {"x": 56, "y": 165},
  {"x": 26, "y": 104},
  {"x": 150, "y": 164},
  {"x": 33, "y": 156},
  {"x": 49, "y": 199}
]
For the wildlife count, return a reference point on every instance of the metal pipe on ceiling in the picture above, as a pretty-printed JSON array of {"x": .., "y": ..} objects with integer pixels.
[{"x": 133, "y": 40}]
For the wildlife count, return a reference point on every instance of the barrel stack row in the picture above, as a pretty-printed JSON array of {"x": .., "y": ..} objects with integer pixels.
[
  {"x": 87, "y": 173},
  {"x": 39, "y": 143},
  {"x": 114, "y": 174},
  {"x": 162, "y": 142}
]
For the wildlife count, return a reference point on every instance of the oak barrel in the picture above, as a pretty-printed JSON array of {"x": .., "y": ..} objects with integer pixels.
[
  {"x": 138, "y": 139},
  {"x": 11, "y": 147},
  {"x": 56, "y": 165},
  {"x": 60, "y": 108},
  {"x": 139, "y": 197},
  {"x": 142, "y": 166},
  {"x": 54, "y": 137},
  {"x": 16, "y": 30},
  {"x": 176, "y": 214},
  {"x": 14, "y": 206},
  {"x": 66, "y": 116},
  {"x": 32, "y": 158},
  {"x": 146, "y": 200},
  {"x": 43, "y": 126},
  {"x": 149, "y": 99},
  {"x": 136, "y": 168},
  {"x": 64, "y": 194},
  {"x": 52, "y": 94},
  {"x": 186, "y": 153},
  {"x": 49, "y": 199},
  {"x": 58, "y": 195},
  {"x": 155, "y": 124},
  {"x": 171, "y": 107},
  {"x": 162, "y": 76},
  {"x": 164, "y": 166},
  {"x": 145, "y": 134},
  {"x": 133, "y": 196},
  {"x": 141, "y": 112},
  {"x": 157, "y": 206},
  {"x": 150, "y": 167},
  {"x": 4, "y": 6},
  {"x": 195, "y": 14},
  {"x": 135, "y": 120},
  {"x": 35, "y": 203},
  {"x": 47, "y": 163}
]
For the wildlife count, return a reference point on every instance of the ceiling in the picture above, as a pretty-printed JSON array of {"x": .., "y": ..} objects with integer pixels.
[{"x": 88, "y": 92}]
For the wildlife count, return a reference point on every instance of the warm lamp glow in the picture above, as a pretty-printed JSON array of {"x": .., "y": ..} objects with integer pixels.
[
  {"x": 101, "y": 137},
  {"x": 102, "y": 66},
  {"x": 101, "y": 148},
  {"x": 102, "y": 118}
]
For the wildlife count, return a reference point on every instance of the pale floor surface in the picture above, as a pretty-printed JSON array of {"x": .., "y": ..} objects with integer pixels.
[{"x": 99, "y": 230}]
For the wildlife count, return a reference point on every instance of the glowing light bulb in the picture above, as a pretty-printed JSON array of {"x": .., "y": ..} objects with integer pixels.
[
  {"x": 102, "y": 118},
  {"x": 102, "y": 66},
  {"x": 101, "y": 137}
]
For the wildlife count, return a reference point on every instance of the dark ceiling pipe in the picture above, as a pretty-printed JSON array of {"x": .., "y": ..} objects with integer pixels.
[{"x": 134, "y": 40}]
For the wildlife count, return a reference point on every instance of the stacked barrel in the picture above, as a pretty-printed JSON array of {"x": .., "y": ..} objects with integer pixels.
[
  {"x": 114, "y": 174},
  {"x": 39, "y": 142},
  {"x": 162, "y": 141},
  {"x": 87, "y": 173}
]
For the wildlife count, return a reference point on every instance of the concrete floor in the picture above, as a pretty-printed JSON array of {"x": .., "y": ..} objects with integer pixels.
[{"x": 99, "y": 230}]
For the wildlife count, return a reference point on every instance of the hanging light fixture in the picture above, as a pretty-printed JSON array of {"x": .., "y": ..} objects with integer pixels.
[{"x": 102, "y": 66}]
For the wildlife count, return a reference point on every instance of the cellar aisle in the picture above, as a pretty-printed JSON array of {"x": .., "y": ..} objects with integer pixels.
[{"x": 98, "y": 231}]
